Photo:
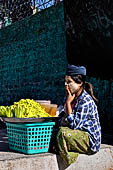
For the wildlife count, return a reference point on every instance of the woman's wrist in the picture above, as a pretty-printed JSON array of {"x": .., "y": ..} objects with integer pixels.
[
  {"x": 68, "y": 102},
  {"x": 68, "y": 108}
]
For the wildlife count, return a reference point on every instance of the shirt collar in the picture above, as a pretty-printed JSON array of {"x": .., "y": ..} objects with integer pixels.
[{"x": 83, "y": 94}]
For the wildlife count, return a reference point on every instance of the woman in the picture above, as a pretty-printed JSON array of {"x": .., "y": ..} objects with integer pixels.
[{"x": 81, "y": 131}]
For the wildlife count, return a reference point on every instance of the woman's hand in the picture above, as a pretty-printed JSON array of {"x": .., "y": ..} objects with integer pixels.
[
  {"x": 69, "y": 96},
  {"x": 69, "y": 99}
]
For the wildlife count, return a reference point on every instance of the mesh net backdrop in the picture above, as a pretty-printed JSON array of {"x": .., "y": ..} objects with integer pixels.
[{"x": 14, "y": 10}]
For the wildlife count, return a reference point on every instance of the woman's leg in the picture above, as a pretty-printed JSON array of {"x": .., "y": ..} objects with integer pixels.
[
  {"x": 53, "y": 147},
  {"x": 71, "y": 143}
]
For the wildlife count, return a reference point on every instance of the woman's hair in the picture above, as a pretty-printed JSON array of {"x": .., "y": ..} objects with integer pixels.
[{"x": 86, "y": 85}]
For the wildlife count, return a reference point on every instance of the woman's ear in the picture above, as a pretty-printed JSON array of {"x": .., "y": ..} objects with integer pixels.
[{"x": 81, "y": 84}]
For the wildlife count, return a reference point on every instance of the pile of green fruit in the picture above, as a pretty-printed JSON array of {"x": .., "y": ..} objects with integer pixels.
[{"x": 25, "y": 108}]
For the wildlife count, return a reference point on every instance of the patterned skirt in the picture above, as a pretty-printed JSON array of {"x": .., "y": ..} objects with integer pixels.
[{"x": 71, "y": 143}]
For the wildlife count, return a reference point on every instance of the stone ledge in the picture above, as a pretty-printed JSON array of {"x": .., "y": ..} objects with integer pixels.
[
  {"x": 103, "y": 160},
  {"x": 30, "y": 162}
]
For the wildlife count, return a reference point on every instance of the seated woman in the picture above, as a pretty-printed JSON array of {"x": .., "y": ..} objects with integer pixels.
[{"x": 79, "y": 130}]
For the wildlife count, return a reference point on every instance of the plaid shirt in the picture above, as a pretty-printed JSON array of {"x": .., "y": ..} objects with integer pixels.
[{"x": 85, "y": 117}]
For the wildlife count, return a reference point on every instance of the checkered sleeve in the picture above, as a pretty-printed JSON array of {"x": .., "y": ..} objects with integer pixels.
[{"x": 76, "y": 120}]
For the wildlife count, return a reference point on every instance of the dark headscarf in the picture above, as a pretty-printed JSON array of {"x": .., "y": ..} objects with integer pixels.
[{"x": 75, "y": 70}]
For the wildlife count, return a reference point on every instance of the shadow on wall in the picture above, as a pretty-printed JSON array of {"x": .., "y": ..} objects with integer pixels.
[{"x": 89, "y": 35}]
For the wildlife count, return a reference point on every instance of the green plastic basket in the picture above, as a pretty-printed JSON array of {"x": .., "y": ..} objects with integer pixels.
[{"x": 29, "y": 138}]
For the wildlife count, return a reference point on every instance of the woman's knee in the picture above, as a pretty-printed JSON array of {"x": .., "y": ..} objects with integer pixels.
[{"x": 60, "y": 133}]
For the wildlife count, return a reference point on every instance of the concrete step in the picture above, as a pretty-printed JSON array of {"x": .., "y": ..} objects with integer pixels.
[
  {"x": 10, "y": 160},
  {"x": 103, "y": 160}
]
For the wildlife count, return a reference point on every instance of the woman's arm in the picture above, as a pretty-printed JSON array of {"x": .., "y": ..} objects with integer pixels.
[
  {"x": 69, "y": 99},
  {"x": 76, "y": 120}
]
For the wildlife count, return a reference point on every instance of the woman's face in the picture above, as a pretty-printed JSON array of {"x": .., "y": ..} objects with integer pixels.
[{"x": 72, "y": 85}]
